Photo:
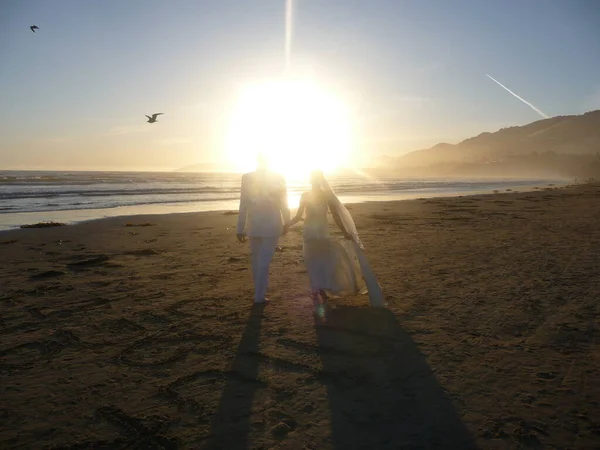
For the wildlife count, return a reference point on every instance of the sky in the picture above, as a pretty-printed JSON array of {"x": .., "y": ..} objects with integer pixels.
[{"x": 74, "y": 94}]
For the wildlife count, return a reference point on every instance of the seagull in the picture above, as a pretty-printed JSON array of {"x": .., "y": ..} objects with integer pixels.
[
  {"x": 34, "y": 27},
  {"x": 153, "y": 118}
]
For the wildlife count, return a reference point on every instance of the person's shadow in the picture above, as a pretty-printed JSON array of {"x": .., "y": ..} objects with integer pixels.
[
  {"x": 230, "y": 425},
  {"x": 382, "y": 393}
]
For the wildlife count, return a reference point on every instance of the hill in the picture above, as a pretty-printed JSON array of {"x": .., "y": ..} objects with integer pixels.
[{"x": 562, "y": 145}]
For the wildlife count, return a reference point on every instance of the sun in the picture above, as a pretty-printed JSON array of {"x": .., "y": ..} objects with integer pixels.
[{"x": 296, "y": 124}]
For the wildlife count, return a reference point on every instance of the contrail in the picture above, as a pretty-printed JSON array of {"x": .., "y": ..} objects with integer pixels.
[
  {"x": 289, "y": 24},
  {"x": 539, "y": 111}
]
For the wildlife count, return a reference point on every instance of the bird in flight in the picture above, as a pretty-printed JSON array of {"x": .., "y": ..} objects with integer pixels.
[
  {"x": 153, "y": 118},
  {"x": 34, "y": 27}
]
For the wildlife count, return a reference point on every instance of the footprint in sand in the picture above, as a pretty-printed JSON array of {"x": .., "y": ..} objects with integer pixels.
[
  {"x": 48, "y": 274},
  {"x": 141, "y": 432},
  {"x": 152, "y": 351},
  {"x": 26, "y": 355},
  {"x": 143, "y": 252}
]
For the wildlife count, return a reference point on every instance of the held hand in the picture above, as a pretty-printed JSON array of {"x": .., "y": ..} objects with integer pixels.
[
  {"x": 347, "y": 236},
  {"x": 241, "y": 237},
  {"x": 285, "y": 230}
]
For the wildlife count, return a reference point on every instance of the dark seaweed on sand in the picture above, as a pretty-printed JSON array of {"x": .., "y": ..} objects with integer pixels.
[
  {"x": 44, "y": 225},
  {"x": 147, "y": 224},
  {"x": 90, "y": 261},
  {"x": 48, "y": 274}
]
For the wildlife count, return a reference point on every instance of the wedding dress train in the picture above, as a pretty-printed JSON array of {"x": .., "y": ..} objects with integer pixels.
[{"x": 336, "y": 266}]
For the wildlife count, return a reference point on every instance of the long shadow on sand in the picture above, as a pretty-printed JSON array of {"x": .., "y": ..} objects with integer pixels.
[
  {"x": 382, "y": 393},
  {"x": 230, "y": 426}
]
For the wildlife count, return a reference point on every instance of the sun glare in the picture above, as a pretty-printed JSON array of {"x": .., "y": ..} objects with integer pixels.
[{"x": 297, "y": 125}]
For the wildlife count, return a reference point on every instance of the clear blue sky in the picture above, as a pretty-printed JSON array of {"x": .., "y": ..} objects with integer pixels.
[{"x": 74, "y": 94}]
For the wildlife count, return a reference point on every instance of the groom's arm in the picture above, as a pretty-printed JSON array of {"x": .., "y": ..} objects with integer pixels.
[{"x": 241, "y": 225}]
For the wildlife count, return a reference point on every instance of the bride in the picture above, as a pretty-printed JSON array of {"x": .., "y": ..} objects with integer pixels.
[{"x": 334, "y": 266}]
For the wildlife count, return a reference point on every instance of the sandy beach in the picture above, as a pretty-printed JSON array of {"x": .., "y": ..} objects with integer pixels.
[{"x": 139, "y": 332}]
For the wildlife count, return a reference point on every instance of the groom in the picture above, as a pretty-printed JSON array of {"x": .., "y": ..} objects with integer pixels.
[{"x": 263, "y": 206}]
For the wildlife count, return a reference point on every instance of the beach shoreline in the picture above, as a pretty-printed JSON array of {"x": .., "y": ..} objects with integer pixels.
[
  {"x": 74, "y": 217},
  {"x": 139, "y": 331}
]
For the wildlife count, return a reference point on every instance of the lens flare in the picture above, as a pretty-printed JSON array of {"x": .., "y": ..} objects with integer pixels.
[{"x": 289, "y": 30}]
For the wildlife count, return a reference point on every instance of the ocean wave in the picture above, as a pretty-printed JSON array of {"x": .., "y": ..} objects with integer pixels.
[
  {"x": 344, "y": 188},
  {"x": 29, "y": 194},
  {"x": 91, "y": 178},
  {"x": 53, "y": 191},
  {"x": 73, "y": 206}
]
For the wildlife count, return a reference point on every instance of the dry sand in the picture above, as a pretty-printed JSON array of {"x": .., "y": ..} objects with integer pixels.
[{"x": 145, "y": 336}]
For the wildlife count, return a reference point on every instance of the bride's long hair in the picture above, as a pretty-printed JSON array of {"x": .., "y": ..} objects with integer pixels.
[{"x": 336, "y": 205}]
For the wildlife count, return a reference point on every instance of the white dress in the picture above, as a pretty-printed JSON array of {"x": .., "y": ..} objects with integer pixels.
[{"x": 332, "y": 264}]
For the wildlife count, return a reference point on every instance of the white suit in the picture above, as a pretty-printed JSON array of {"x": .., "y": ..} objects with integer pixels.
[{"x": 263, "y": 210}]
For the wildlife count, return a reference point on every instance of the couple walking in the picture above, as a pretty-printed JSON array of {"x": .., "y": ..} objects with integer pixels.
[{"x": 334, "y": 266}]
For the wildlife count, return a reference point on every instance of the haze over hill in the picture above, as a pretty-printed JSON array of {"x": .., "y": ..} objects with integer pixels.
[
  {"x": 204, "y": 167},
  {"x": 560, "y": 146}
]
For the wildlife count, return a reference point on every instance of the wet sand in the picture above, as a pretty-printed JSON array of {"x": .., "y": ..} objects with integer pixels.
[{"x": 145, "y": 336}]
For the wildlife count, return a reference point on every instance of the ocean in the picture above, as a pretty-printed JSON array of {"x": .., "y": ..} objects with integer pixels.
[{"x": 35, "y": 196}]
